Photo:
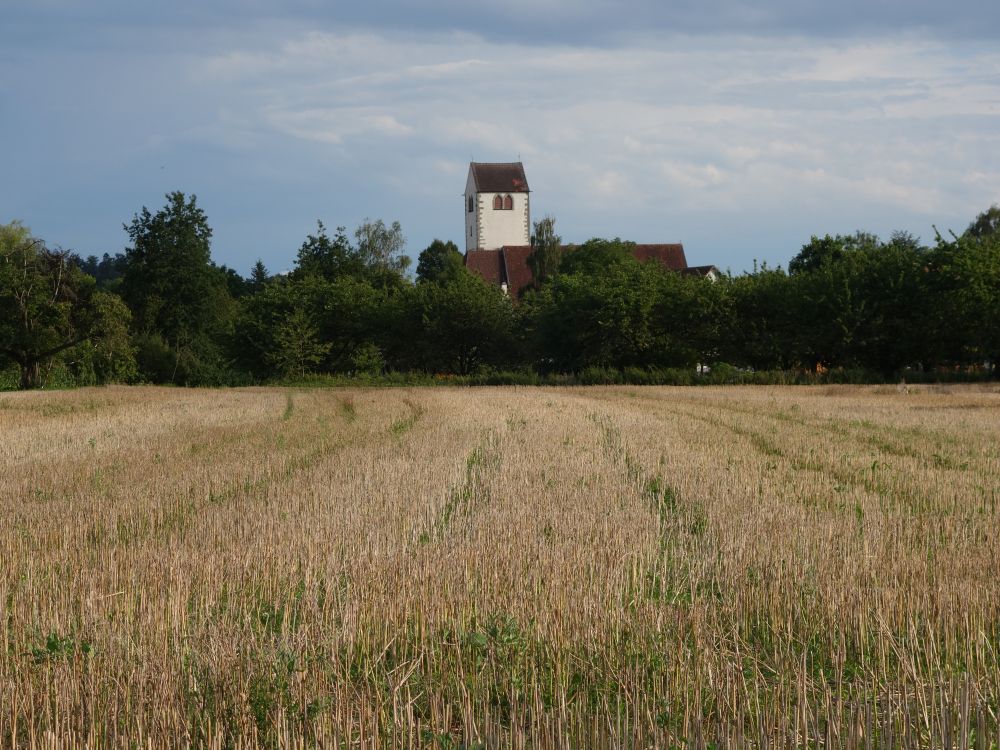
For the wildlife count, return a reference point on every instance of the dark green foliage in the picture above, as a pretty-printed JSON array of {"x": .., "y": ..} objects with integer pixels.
[
  {"x": 327, "y": 258},
  {"x": 109, "y": 357},
  {"x": 236, "y": 285},
  {"x": 547, "y": 252},
  {"x": 457, "y": 325},
  {"x": 48, "y": 306},
  {"x": 106, "y": 271},
  {"x": 596, "y": 256},
  {"x": 858, "y": 303},
  {"x": 376, "y": 259},
  {"x": 719, "y": 374},
  {"x": 600, "y": 319},
  {"x": 851, "y": 308},
  {"x": 259, "y": 276},
  {"x": 820, "y": 252},
  {"x": 763, "y": 331},
  {"x": 329, "y": 319},
  {"x": 623, "y": 314},
  {"x": 439, "y": 262},
  {"x": 986, "y": 224},
  {"x": 297, "y": 347},
  {"x": 963, "y": 289},
  {"x": 180, "y": 301}
]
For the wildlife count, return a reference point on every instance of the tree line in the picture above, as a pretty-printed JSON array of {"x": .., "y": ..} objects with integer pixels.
[{"x": 162, "y": 311}]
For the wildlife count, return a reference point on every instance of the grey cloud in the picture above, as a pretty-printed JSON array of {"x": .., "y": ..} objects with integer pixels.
[
  {"x": 739, "y": 145},
  {"x": 536, "y": 21}
]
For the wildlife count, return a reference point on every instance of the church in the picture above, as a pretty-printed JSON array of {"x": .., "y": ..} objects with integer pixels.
[{"x": 497, "y": 206}]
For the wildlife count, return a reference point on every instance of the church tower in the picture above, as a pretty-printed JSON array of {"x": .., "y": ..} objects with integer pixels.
[{"x": 497, "y": 211}]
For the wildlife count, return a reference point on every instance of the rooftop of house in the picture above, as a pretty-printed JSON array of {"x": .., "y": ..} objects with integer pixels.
[
  {"x": 518, "y": 272},
  {"x": 669, "y": 255},
  {"x": 702, "y": 271},
  {"x": 488, "y": 264},
  {"x": 509, "y": 264}
]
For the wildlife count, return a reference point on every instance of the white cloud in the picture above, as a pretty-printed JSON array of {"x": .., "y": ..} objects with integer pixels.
[
  {"x": 654, "y": 132},
  {"x": 389, "y": 125},
  {"x": 655, "y": 138}
]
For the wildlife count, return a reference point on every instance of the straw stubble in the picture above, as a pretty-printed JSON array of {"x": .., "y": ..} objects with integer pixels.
[{"x": 500, "y": 567}]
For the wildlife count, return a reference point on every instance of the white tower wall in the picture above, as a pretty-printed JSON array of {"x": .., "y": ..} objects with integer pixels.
[
  {"x": 471, "y": 217},
  {"x": 503, "y": 227},
  {"x": 488, "y": 228}
]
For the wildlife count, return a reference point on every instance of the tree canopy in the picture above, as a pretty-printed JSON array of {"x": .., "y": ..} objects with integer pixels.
[
  {"x": 439, "y": 261},
  {"x": 48, "y": 305},
  {"x": 546, "y": 251},
  {"x": 162, "y": 311},
  {"x": 180, "y": 302}
]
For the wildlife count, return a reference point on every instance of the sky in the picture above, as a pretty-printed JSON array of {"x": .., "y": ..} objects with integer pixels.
[{"x": 740, "y": 129}]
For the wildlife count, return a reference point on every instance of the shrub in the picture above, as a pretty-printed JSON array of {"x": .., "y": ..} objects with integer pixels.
[{"x": 600, "y": 376}]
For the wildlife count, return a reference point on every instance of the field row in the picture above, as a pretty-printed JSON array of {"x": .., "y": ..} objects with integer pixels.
[{"x": 529, "y": 567}]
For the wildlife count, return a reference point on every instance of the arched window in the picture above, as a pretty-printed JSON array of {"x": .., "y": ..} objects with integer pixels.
[
  {"x": 470, "y": 204},
  {"x": 508, "y": 203},
  {"x": 497, "y": 203}
]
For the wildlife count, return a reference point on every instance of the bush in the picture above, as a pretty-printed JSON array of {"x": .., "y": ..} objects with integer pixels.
[
  {"x": 79, "y": 372},
  {"x": 600, "y": 376},
  {"x": 723, "y": 373},
  {"x": 852, "y": 376},
  {"x": 505, "y": 377},
  {"x": 10, "y": 379},
  {"x": 639, "y": 376},
  {"x": 368, "y": 360}
]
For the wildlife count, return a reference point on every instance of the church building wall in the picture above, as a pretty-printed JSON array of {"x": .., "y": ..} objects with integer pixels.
[
  {"x": 499, "y": 227},
  {"x": 471, "y": 215},
  {"x": 491, "y": 223}
]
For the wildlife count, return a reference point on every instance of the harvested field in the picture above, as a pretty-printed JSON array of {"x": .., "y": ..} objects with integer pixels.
[{"x": 592, "y": 567}]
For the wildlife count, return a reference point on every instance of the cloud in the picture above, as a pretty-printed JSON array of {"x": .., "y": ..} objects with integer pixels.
[
  {"x": 592, "y": 22},
  {"x": 714, "y": 136}
]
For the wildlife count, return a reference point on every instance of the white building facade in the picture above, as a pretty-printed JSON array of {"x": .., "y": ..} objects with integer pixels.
[{"x": 497, "y": 206}]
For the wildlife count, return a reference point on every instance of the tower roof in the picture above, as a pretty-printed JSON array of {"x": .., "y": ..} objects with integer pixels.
[{"x": 505, "y": 177}]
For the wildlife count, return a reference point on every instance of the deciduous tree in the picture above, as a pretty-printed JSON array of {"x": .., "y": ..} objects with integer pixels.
[
  {"x": 986, "y": 224},
  {"x": 179, "y": 301},
  {"x": 381, "y": 247},
  {"x": 47, "y": 305},
  {"x": 438, "y": 261},
  {"x": 546, "y": 250}
]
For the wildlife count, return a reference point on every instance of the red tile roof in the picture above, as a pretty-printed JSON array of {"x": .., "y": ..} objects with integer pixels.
[
  {"x": 499, "y": 177},
  {"x": 670, "y": 256},
  {"x": 509, "y": 264},
  {"x": 488, "y": 264},
  {"x": 518, "y": 272}
]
